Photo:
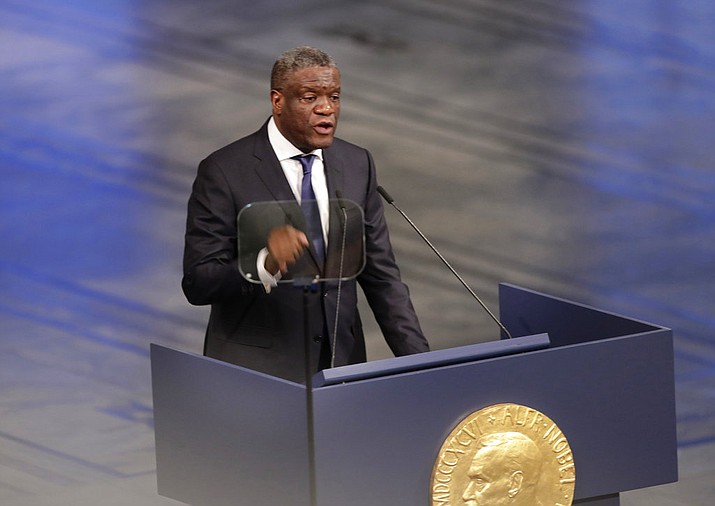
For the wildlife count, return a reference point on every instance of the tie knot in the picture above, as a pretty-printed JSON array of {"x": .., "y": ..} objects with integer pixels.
[{"x": 306, "y": 161}]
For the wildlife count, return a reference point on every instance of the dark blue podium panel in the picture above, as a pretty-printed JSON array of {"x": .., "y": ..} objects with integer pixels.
[
  {"x": 378, "y": 439},
  {"x": 227, "y": 436},
  {"x": 526, "y": 312}
]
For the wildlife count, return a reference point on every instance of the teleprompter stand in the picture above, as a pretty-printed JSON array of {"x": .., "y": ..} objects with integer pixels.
[{"x": 226, "y": 435}]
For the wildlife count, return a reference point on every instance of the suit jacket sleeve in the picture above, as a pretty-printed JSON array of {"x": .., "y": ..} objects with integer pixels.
[
  {"x": 210, "y": 268},
  {"x": 386, "y": 294}
]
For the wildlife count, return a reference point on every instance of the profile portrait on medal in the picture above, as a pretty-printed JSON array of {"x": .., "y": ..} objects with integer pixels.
[{"x": 505, "y": 470}]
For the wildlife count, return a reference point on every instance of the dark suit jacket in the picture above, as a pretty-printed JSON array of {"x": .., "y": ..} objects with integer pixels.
[{"x": 265, "y": 331}]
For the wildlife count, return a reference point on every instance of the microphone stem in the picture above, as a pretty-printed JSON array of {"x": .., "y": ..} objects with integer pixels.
[
  {"x": 444, "y": 260},
  {"x": 340, "y": 280}
]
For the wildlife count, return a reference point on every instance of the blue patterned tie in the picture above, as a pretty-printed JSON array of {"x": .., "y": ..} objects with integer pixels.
[{"x": 310, "y": 208}]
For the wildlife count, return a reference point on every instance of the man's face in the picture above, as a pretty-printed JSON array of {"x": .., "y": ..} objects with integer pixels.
[
  {"x": 489, "y": 483},
  {"x": 306, "y": 110}
]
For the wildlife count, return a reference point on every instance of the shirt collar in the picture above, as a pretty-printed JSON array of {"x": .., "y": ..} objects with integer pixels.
[{"x": 283, "y": 148}]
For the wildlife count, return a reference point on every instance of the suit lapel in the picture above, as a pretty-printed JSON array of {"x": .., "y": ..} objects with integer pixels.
[
  {"x": 334, "y": 175},
  {"x": 334, "y": 171},
  {"x": 269, "y": 169}
]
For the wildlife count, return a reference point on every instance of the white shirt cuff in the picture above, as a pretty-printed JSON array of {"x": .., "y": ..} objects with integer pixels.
[{"x": 269, "y": 280}]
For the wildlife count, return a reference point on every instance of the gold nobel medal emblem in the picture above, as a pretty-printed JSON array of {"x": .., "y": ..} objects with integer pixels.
[{"x": 506, "y": 454}]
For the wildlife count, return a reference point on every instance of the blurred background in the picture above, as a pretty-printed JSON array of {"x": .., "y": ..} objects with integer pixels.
[{"x": 563, "y": 146}]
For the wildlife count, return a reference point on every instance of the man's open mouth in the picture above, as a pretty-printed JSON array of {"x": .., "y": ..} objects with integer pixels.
[{"x": 324, "y": 127}]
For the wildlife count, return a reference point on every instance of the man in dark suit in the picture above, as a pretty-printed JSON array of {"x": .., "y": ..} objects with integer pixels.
[{"x": 260, "y": 325}]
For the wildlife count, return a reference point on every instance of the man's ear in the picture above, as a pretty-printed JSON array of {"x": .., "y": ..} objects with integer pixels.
[
  {"x": 517, "y": 478},
  {"x": 277, "y": 101}
]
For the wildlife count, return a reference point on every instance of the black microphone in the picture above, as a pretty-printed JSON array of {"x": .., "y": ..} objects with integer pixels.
[
  {"x": 339, "y": 195},
  {"x": 391, "y": 201}
]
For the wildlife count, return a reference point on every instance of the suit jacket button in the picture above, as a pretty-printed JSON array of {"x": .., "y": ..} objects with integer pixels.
[{"x": 317, "y": 339}]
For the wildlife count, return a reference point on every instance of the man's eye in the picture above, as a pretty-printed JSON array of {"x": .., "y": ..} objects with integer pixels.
[
  {"x": 308, "y": 98},
  {"x": 335, "y": 98}
]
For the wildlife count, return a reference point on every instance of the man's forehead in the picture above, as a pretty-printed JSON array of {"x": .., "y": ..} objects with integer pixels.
[{"x": 316, "y": 76}]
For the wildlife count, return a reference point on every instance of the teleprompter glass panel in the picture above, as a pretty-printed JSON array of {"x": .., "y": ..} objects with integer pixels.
[{"x": 345, "y": 248}]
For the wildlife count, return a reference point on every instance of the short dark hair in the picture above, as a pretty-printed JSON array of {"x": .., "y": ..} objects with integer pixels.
[{"x": 296, "y": 59}]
